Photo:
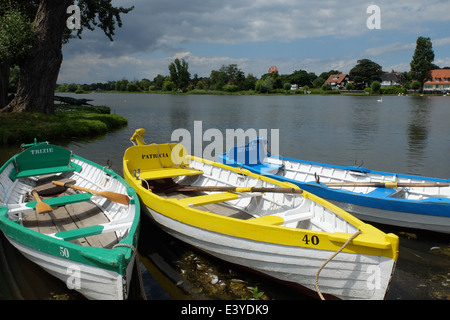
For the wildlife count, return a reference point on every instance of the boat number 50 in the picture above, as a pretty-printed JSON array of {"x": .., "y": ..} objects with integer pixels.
[
  {"x": 64, "y": 252},
  {"x": 313, "y": 240}
]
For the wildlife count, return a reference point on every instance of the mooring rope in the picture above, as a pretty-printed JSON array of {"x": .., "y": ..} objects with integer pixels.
[{"x": 331, "y": 258}]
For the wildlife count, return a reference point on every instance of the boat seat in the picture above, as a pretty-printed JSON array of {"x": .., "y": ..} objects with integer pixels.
[
  {"x": 162, "y": 173},
  {"x": 42, "y": 159},
  {"x": 207, "y": 199},
  {"x": 63, "y": 200},
  {"x": 268, "y": 220},
  {"x": 253, "y": 156},
  {"x": 265, "y": 168},
  {"x": 382, "y": 192},
  {"x": 79, "y": 233}
]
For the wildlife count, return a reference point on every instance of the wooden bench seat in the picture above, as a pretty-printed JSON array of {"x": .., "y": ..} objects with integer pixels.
[
  {"x": 63, "y": 200},
  {"x": 268, "y": 220},
  {"x": 207, "y": 199},
  {"x": 163, "y": 173}
]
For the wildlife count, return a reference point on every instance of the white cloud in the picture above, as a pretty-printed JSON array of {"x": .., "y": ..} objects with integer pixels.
[{"x": 156, "y": 32}]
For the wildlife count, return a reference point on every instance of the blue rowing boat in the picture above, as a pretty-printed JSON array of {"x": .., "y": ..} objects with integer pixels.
[{"x": 402, "y": 200}]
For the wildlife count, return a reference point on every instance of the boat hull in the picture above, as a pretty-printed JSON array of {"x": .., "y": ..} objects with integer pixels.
[
  {"x": 92, "y": 282},
  {"x": 407, "y": 220},
  {"x": 347, "y": 276}
]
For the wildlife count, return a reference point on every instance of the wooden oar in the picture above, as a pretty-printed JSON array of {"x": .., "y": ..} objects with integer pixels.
[
  {"x": 113, "y": 196},
  {"x": 41, "y": 206},
  {"x": 385, "y": 184},
  {"x": 241, "y": 189}
]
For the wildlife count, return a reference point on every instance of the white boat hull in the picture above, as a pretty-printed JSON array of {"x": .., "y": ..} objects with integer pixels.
[
  {"x": 347, "y": 276},
  {"x": 93, "y": 283},
  {"x": 394, "y": 218}
]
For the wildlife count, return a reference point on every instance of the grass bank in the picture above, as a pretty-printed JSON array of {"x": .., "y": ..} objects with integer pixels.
[{"x": 67, "y": 123}]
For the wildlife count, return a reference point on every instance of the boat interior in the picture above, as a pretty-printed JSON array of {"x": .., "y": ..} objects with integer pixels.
[
  {"x": 282, "y": 209},
  {"x": 255, "y": 155},
  {"x": 73, "y": 216},
  {"x": 309, "y": 172}
]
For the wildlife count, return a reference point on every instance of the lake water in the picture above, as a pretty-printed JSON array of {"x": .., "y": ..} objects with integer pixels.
[{"x": 404, "y": 134}]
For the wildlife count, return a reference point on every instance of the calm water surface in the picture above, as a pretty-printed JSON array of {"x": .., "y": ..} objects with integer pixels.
[{"x": 401, "y": 134}]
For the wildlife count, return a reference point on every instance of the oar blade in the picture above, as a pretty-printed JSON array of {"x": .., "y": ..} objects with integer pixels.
[
  {"x": 115, "y": 197},
  {"x": 41, "y": 206}
]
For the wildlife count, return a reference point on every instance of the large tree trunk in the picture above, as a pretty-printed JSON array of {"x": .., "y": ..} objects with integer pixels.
[
  {"x": 4, "y": 83},
  {"x": 39, "y": 71}
]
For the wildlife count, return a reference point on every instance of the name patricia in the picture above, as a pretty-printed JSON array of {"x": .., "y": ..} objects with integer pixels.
[{"x": 155, "y": 155}]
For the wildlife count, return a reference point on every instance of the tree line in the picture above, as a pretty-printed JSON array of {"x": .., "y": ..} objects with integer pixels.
[
  {"x": 230, "y": 78},
  {"x": 32, "y": 33}
]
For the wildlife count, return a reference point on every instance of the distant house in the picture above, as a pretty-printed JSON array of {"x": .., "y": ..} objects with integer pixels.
[
  {"x": 273, "y": 69},
  {"x": 391, "y": 79},
  {"x": 440, "y": 81},
  {"x": 338, "y": 81}
]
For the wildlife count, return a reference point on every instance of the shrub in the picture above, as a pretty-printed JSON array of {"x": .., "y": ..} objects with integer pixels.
[
  {"x": 168, "y": 86},
  {"x": 393, "y": 90},
  {"x": 416, "y": 85},
  {"x": 132, "y": 87},
  {"x": 375, "y": 86},
  {"x": 326, "y": 87},
  {"x": 230, "y": 88}
]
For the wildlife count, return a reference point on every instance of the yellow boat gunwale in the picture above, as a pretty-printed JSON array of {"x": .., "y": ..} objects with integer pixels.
[{"x": 371, "y": 241}]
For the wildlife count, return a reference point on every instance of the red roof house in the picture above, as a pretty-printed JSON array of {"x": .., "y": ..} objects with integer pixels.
[
  {"x": 273, "y": 69},
  {"x": 338, "y": 81},
  {"x": 440, "y": 81}
]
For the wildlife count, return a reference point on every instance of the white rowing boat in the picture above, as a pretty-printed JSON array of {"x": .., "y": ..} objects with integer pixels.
[
  {"x": 86, "y": 239},
  {"x": 401, "y": 200}
]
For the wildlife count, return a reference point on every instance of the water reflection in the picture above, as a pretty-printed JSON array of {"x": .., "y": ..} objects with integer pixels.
[
  {"x": 184, "y": 273},
  {"x": 418, "y": 131}
]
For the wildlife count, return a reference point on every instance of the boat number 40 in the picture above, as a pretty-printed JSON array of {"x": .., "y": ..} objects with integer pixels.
[
  {"x": 64, "y": 252},
  {"x": 314, "y": 240}
]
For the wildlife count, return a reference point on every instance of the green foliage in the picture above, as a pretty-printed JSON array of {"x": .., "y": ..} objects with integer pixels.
[
  {"x": 365, "y": 72},
  {"x": 393, "y": 90},
  {"x": 256, "y": 295},
  {"x": 67, "y": 122},
  {"x": 350, "y": 86},
  {"x": 422, "y": 61},
  {"x": 375, "y": 86},
  {"x": 327, "y": 87},
  {"x": 230, "y": 88},
  {"x": 264, "y": 85},
  {"x": 16, "y": 36},
  {"x": 179, "y": 74},
  {"x": 121, "y": 85},
  {"x": 168, "y": 86},
  {"x": 132, "y": 87},
  {"x": 303, "y": 78},
  {"x": 101, "y": 13},
  {"x": 415, "y": 85}
]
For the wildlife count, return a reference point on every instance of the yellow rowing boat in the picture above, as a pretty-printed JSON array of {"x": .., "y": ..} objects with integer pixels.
[{"x": 271, "y": 227}]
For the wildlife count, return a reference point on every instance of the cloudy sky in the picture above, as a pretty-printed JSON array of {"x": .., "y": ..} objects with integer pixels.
[{"x": 315, "y": 36}]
